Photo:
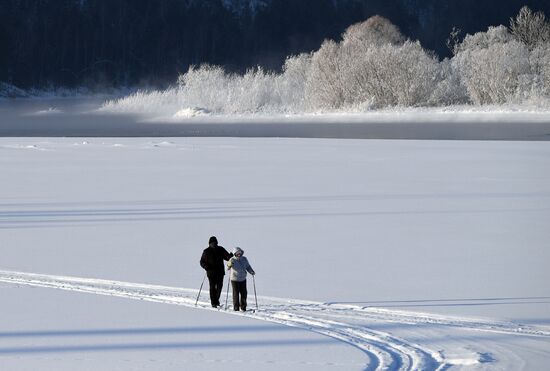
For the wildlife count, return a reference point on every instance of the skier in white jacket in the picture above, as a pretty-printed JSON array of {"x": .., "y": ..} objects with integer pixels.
[{"x": 239, "y": 266}]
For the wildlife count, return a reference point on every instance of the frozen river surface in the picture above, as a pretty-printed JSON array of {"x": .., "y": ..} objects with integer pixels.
[{"x": 79, "y": 117}]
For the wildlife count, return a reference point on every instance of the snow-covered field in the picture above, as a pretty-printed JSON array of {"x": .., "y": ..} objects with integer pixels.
[{"x": 370, "y": 254}]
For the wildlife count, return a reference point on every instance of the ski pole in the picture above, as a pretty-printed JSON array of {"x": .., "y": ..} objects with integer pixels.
[
  {"x": 227, "y": 293},
  {"x": 204, "y": 278},
  {"x": 255, "y": 296}
]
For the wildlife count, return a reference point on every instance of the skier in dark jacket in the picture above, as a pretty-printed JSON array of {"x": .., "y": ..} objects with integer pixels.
[{"x": 212, "y": 261}]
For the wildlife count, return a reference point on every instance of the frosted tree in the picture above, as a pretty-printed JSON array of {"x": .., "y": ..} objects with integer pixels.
[
  {"x": 493, "y": 66},
  {"x": 373, "y": 66},
  {"x": 325, "y": 85},
  {"x": 540, "y": 65},
  {"x": 211, "y": 88},
  {"x": 533, "y": 30},
  {"x": 530, "y": 28},
  {"x": 483, "y": 40},
  {"x": 449, "y": 89},
  {"x": 292, "y": 82},
  {"x": 404, "y": 75},
  {"x": 255, "y": 91},
  {"x": 375, "y": 31},
  {"x": 204, "y": 87},
  {"x": 358, "y": 55}
]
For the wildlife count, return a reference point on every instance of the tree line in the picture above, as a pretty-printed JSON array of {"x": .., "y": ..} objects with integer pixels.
[
  {"x": 150, "y": 42},
  {"x": 373, "y": 66}
]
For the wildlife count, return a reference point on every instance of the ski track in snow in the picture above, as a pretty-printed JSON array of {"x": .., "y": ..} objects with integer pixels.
[{"x": 338, "y": 321}]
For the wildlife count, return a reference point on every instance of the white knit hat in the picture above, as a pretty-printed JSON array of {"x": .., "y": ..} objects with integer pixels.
[{"x": 238, "y": 250}]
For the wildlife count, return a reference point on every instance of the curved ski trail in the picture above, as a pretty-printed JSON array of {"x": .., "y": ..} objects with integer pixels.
[{"x": 342, "y": 322}]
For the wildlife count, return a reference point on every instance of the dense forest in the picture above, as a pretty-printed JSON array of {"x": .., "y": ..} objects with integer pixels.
[{"x": 150, "y": 42}]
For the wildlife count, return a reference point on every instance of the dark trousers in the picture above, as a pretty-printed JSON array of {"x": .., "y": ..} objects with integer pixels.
[
  {"x": 239, "y": 295},
  {"x": 216, "y": 285}
]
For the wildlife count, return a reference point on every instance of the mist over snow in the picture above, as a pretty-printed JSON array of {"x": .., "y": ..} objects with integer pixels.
[{"x": 373, "y": 67}]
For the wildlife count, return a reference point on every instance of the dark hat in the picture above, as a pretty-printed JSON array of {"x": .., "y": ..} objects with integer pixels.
[{"x": 213, "y": 239}]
